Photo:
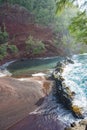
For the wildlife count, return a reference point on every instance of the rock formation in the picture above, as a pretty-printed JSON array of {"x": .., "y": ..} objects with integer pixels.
[{"x": 64, "y": 93}]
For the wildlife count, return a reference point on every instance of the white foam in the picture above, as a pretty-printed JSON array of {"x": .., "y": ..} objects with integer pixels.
[
  {"x": 29, "y": 79},
  {"x": 39, "y": 74},
  {"x": 74, "y": 56},
  {"x": 3, "y": 69},
  {"x": 5, "y": 73}
]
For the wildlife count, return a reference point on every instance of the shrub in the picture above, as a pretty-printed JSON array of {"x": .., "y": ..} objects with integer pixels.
[
  {"x": 34, "y": 46},
  {"x": 3, "y": 51},
  {"x": 3, "y": 36},
  {"x": 13, "y": 49},
  {"x": 39, "y": 47}
]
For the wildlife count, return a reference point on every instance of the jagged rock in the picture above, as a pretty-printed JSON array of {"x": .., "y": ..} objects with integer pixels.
[
  {"x": 69, "y": 60},
  {"x": 59, "y": 67},
  {"x": 63, "y": 91},
  {"x": 73, "y": 124},
  {"x": 77, "y": 110}
]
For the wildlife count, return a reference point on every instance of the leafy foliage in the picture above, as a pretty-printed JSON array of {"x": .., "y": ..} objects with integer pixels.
[
  {"x": 13, "y": 49},
  {"x": 34, "y": 46},
  {"x": 4, "y": 50},
  {"x": 43, "y": 10},
  {"x": 78, "y": 27},
  {"x": 61, "y": 4}
]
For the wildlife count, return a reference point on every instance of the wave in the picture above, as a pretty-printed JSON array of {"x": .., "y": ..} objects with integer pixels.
[{"x": 3, "y": 69}]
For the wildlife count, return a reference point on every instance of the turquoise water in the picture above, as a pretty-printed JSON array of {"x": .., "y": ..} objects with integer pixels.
[
  {"x": 76, "y": 78},
  {"x": 30, "y": 66},
  {"x": 78, "y": 72}
]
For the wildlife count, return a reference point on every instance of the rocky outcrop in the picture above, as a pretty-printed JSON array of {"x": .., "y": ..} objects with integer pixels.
[{"x": 64, "y": 93}]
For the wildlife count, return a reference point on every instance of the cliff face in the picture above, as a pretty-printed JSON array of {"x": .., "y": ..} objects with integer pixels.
[{"x": 19, "y": 24}]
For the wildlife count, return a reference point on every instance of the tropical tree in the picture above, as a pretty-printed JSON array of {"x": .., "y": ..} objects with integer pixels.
[
  {"x": 78, "y": 26},
  {"x": 43, "y": 10},
  {"x": 61, "y": 4}
]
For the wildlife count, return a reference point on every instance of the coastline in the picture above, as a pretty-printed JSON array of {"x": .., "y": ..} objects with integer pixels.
[{"x": 29, "y": 119}]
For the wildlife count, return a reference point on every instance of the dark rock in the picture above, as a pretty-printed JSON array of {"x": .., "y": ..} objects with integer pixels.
[
  {"x": 22, "y": 59},
  {"x": 86, "y": 127},
  {"x": 73, "y": 124},
  {"x": 69, "y": 60},
  {"x": 63, "y": 91}
]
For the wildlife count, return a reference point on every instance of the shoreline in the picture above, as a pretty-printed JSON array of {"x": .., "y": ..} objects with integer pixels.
[
  {"x": 26, "y": 58},
  {"x": 19, "y": 98},
  {"x": 41, "y": 80}
]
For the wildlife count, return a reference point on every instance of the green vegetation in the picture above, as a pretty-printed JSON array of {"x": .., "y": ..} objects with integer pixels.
[
  {"x": 4, "y": 50},
  {"x": 13, "y": 49},
  {"x": 3, "y": 36},
  {"x": 68, "y": 27},
  {"x": 43, "y": 10},
  {"x": 62, "y": 4},
  {"x": 34, "y": 46},
  {"x": 4, "y": 47},
  {"x": 78, "y": 26}
]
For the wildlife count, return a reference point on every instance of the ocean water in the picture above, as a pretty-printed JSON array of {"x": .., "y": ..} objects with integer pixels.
[
  {"x": 33, "y": 66},
  {"x": 76, "y": 77}
]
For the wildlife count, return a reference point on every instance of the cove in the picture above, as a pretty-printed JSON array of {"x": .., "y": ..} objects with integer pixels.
[
  {"x": 75, "y": 75},
  {"x": 27, "y": 67}
]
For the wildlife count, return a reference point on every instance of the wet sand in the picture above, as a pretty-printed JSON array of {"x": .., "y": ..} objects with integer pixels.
[
  {"x": 38, "y": 122},
  {"x": 18, "y": 99}
]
